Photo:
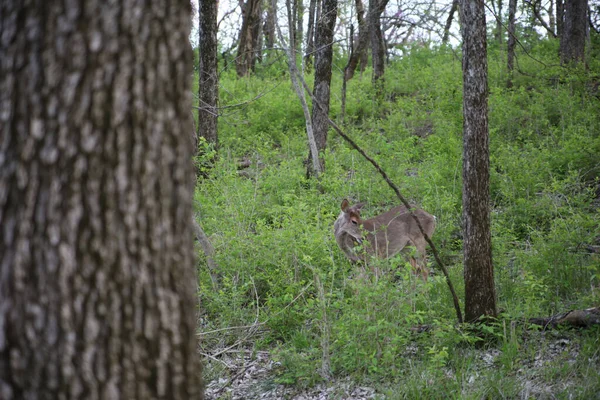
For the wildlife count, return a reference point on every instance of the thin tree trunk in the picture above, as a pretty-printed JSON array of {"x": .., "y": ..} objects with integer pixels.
[
  {"x": 208, "y": 87},
  {"x": 299, "y": 36},
  {"x": 449, "y": 21},
  {"x": 560, "y": 17},
  {"x": 248, "y": 39},
  {"x": 269, "y": 28},
  {"x": 364, "y": 40},
  {"x": 512, "y": 8},
  {"x": 359, "y": 56},
  {"x": 498, "y": 32},
  {"x": 345, "y": 76},
  {"x": 376, "y": 8},
  {"x": 310, "y": 34},
  {"x": 322, "y": 85},
  {"x": 97, "y": 282},
  {"x": 480, "y": 296},
  {"x": 294, "y": 73},
  {"x": 551, "y": 17}
]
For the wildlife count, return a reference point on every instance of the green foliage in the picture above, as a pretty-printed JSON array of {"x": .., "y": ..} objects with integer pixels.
[{"x": 280, "y": 265}]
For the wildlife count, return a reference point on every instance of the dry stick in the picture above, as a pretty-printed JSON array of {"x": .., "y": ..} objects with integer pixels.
[{"x": 402, "y": 199}]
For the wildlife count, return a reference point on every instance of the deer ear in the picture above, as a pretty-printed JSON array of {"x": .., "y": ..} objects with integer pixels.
[{"x": 345, "y": 205}]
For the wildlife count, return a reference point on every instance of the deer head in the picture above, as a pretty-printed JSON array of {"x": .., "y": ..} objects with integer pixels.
[{"x": 384, "y": 235}]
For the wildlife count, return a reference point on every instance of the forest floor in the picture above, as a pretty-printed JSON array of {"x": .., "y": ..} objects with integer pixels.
[{"x": 551, "y": 371}]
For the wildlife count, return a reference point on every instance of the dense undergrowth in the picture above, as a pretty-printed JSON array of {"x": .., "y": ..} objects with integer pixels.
[{"x": 286, "y": 287}]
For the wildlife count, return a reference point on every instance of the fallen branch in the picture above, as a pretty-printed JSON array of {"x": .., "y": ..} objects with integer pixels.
[{"x": 574, "y": 318}]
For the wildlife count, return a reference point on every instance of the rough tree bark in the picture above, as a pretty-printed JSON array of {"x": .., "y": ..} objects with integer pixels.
[
  {"x": 376, "y": 8},
  {"x": 480, "y": 297},
  {"x": 574, "y": 34},
  {"x": 208, "y": 90},
  {"x": 512, "y": 40},
  {"x": 322, "y": 85},
  {"x": 96, "y": 247},
  {"x": 249, "y": 37}
]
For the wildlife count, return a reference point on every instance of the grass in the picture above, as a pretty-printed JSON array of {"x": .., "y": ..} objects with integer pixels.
[{"x": 283, "y": 273}]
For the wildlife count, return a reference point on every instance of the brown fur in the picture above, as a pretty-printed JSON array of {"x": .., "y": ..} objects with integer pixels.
[{"x": 384, "y": 235}]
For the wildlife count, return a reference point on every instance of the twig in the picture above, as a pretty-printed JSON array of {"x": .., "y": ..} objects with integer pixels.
[
  {"x": 233, "y": 378},
  {"x": 215, "y": 359},
  {"x": 229, "y": 328}
]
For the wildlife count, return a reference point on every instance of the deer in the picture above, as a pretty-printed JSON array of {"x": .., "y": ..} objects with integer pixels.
[{"x": 385, "y": 235}]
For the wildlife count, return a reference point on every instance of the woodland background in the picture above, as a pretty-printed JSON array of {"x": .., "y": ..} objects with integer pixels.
[
  {"x": 277, "y": 281},
  {"x": 160, "y": 206}
]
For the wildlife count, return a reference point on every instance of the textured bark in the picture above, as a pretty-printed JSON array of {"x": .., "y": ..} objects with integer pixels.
[
  {"x": 208, "y": 90},
  {"x": 322, "y": 85},
  {"x": 96, "y": 253},
  {"x": 575, "y": 28},
  {"x": 376, "y": 8},
  {"x": 248, "y": 40},
  {"x": 512, "y": 40},
  {"x": 480, "y": 298},
  {"x": 359, "y": 56}
]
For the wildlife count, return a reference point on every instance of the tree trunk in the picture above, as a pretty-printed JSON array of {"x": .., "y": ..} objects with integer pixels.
[
  {"x": 512, "y": 40},
  {"x": 449, "y": 21},
  {"x": 574, "y": 35},
  {"x": 560, "y": 17},
  {"x": 376, "y": 8},
  {"x": 498, "y": 33},
  {"x": 322, "y": 86},
  {"x": 208, "y": 90},
  {"x": 295, "y": 76},
  {"x": 310, "y": 34},
  {"x": 551, "y": 17},
  {"x": 480, "y": 297},
  {"x": 299, "y": 35},
  {"x": 96, "y": 253},
  {"x": 269, "y": 28},
  {"x": 359, "y": 56},
  {"x": 248, "y": 41}
]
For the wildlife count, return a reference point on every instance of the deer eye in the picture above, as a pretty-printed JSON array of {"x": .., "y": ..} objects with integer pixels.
[{"x": 354, "y": 222}]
